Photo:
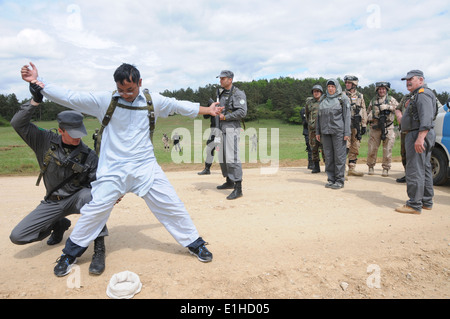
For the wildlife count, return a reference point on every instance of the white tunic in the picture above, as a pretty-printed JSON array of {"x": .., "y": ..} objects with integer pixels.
[
  {"x": 126, "y": 147},
  {"x": 127, "y": 162}
]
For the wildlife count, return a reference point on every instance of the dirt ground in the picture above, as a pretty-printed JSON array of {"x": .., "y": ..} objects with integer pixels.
[{"x": 288, "y": 237}]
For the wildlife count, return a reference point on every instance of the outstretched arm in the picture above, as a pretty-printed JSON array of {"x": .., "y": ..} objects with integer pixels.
[{"x": 212, "y": 110}]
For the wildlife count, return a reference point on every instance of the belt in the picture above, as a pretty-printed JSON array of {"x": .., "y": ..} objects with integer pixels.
[
  {"x": 56, "y": 197},
  {"x": 406, "y": 132}
]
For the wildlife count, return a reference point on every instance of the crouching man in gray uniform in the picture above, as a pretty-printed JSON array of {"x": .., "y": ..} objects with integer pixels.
[
  {"x": 68, "y": 167},
  {"x": 418, "y": 124},
  {"x": 235, "y": 103}
]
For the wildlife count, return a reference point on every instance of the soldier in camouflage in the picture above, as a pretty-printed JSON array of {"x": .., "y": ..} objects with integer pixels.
[
  {"x": 381, "y": 115},
  {"x": 358, "y": 107},
  {"x": 311, "y": 109}
]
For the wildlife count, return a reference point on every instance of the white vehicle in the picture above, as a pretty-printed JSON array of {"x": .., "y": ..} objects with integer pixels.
[{"x": 441, "y": 152}]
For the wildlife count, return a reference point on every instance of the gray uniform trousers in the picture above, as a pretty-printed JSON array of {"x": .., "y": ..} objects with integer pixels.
[
  {"x": 419, "y": 174},
  {"x": 335, "y": 151},
  {"x": 229, "y": 155},
  {"x": 39, "y": 223}
]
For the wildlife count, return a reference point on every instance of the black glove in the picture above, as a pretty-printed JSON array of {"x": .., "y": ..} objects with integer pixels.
[
  {"x": 36, "y": 92},
  {"x": 363, "y": 130}
]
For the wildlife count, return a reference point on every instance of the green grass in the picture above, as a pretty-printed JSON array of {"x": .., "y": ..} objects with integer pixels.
[{"x": 17, "y": 158}]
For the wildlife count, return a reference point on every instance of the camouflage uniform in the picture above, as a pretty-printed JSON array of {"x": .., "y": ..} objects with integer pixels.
[
  {"x": 165, "y": 140},
  {"x": 377, "y": 105},
  {"x": 358, "y": 106},
  {"x": 311, "y": 110}
]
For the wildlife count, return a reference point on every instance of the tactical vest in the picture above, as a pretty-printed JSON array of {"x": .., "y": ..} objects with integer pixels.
[
  {"x": 387, "y": 101},
  {"x": 74, "y": 160},
  {"x": 112, "y": 106},
  {"x": 355, "y": 108},
  {"x": 228, "y": 109}
]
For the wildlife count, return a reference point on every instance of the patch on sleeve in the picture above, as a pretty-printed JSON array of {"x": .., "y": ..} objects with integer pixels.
[{"x": 242, "y": 102}]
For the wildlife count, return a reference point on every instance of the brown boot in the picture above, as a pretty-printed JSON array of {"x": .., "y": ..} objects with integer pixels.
[
  {"x": 405, "y": 209},
  {"x": 352, "y": 172}
]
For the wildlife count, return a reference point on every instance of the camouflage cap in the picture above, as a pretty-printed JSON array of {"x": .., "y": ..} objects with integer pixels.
[
  {"x": 413, "y": 73},
  {"x": 226, "y": 74},
  {"x": 72, "y": 122},
  {"x": 352, "y": 79}
]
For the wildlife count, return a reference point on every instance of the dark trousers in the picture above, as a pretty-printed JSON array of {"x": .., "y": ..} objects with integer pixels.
[
  {"x": 335, "y": 150},
  {"x": 38, "y": 224},
  {"x": 419, "y": 174}
]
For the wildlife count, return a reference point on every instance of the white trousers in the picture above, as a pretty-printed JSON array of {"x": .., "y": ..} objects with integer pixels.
[{"x": 161, "y": 199}]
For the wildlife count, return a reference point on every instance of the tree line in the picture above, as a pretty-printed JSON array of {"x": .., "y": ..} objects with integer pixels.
[
  {"x": 9, "y": 105},
  {"x": 280, "y": 98}
]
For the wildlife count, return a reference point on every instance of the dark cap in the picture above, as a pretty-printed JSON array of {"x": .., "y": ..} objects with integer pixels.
[
  {"x": 226, "y": 74},
  {"x": 317, "y": 87},
  {"x": 72, "y": 122},
  {"x": 413, "y": 73}
]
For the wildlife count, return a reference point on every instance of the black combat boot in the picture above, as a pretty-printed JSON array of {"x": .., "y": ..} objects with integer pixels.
[
  {"x": 401, "y": 179},
  {"x": 206, "y": 171},
  {"x": 316, "y": 168},
  {"x": 58, "y": 231},
  {"x": 237, "y": 192},
  {"x": 97, "y": 265},
  {"x": 229, "y": 184},
  {"x": 310, "y": 164}
]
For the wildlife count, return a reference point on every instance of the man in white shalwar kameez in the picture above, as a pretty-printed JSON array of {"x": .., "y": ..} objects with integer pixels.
[{"x": 127, "y": 161}]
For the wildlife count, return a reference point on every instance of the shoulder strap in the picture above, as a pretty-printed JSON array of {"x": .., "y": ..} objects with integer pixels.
[
  {"x": 47, "y": 157},
  {"x": 112, "y": 107},
  {"x": 105, "y": 121},
  {"x": 151, "y": 112}
]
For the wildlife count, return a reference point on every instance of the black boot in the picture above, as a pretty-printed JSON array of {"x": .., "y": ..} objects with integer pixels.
[
  {"x": 237, "y": 192},
  {"x": 229, "y": 184},
  {"x": 206, "y": 171},
  {"x": 97, "y": 265},
  {"x": 310, "y": 165},
  {"x": 316, "y": 168},
  {"x": 58, "y": 231},
  {"x": 401, "y": 179}
]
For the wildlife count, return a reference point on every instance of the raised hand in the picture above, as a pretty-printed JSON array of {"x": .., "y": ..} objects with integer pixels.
[{"x": 29, "y": 75}]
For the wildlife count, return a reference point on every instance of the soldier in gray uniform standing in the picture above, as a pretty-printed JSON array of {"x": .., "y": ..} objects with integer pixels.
[
  {"x": 418, "y": 125},
  {"x": 235, "y": 103},
  {"x": 333, "y": 131},
  {"x": 68, "y": 167}
]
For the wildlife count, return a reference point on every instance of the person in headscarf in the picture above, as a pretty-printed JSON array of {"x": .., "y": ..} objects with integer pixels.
[{"x": 333, "y": 130}]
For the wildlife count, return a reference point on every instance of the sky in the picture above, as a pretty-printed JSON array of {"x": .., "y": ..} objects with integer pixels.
[{"x": 179, "y": 44}]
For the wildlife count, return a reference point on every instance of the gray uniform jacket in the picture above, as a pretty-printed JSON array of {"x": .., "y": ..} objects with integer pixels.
[
  {"x": 235, "y": 108},
  {"x": 40, "y": 141},
  {"x": 333, "y": 116},
  {"x": 419, "y": 114}
]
